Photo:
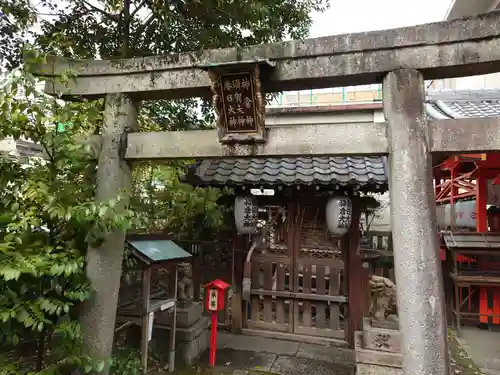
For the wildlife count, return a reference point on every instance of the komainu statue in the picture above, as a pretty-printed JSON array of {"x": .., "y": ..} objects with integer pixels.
[
  {"x": 384, "y": 305},
  {"x": 185, "y": 283}
]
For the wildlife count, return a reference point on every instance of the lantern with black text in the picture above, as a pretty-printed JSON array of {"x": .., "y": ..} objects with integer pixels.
[{"x": 338, "y": 215}]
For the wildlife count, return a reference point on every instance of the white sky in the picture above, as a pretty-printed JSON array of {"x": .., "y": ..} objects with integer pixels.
[{"x": 347, "y": 16}]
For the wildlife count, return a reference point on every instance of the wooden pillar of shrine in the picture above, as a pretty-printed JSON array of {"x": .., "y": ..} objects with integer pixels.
[
  {"x": 481, "y": 203},
  {"x": 237, "y": 306},
  {"x": 482, "y": 226},
  {"x": 454, "y": 193},
  {"x": 355, "y": 274}
]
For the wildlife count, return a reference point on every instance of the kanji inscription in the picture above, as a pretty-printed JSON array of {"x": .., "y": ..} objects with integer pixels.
[
  {"x": 237, "y": 94},
  {"x": 344, "y": 214},
  {"x": 239, "y": 102},
  {"x": 250, "y": 213}
]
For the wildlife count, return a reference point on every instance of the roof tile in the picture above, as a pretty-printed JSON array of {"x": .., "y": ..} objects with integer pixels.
[
  {"x": 467, "y": 103},
  {"x": 362, "y": 171}
]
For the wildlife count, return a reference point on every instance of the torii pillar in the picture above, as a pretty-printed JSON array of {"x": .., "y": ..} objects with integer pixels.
[
  {"x": 413, "y": 218},
  {"x": 104, "y": 263}
]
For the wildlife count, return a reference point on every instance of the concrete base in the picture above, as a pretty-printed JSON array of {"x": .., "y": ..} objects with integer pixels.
[
  {"x": 380, "y": 338},
  {"x": 187, "y": 351},
  {"x": 186, "y": 316},
  {"x": 192, "y": 336},
  {"x": 378, "y": 351},
  {"x": 387, "y": 325}
]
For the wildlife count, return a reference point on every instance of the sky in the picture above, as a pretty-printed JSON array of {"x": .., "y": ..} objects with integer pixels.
[{"x": 347, "y": 16}]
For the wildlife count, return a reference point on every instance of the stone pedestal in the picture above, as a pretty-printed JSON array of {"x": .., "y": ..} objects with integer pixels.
[
  {"x": 192, "y": 336},
  {"x": 378, "y": 350}
]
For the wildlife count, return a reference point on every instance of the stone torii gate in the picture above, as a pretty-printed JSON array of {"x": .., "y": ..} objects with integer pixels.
[{"x": 400, "y": 58}]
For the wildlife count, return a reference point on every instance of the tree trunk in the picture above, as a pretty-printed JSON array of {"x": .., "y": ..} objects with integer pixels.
[{"x": 126, "y": 29}]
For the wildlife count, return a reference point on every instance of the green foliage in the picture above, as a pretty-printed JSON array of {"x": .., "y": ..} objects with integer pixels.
[
  {"x": 16, "y": 17},
  {"x": 47, "y": 212},
  {"x": 48, "y": 218},
  {"x": 126, "y": 362},
  {"x": 168, "y": 205},
  {"x": 112, "y": 29}
]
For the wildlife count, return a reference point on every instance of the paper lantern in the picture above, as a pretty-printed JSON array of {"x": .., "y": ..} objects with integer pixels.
[
  {"x": 245, "y": 214},
  {"x": 338, "y": 215}
]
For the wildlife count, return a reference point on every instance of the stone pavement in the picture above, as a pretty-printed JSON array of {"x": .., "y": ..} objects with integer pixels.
[
  {"x": 483, "y": 347},
  {"x": 254, "y": 355}
]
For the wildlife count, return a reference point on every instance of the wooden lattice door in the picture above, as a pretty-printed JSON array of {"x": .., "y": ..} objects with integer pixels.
[
  {"x": 297, "y": 279},
  {"x": 271, "y": 301},
  {"x": 320, "y": 302}
]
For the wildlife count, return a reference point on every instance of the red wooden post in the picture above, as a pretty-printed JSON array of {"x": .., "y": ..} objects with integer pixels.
[
  {"x": 481, "y": 199},
  {"x": 454, "y": 193},
  {"x": 213, "y": 339},
  {"x": 482, "y": 226},
  {"x": 214, "y": 302}
]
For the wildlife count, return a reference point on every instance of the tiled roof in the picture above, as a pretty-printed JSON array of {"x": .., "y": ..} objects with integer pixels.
[
  {"x": 362, "y": 172},
  {"x": 463, "y": 103},
  {"x": 367, "y": 173}
]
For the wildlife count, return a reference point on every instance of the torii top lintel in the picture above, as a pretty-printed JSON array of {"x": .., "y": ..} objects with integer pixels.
[{"x": 453, "y": 48}]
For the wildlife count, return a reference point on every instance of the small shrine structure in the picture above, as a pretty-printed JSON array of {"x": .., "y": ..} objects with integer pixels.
[
  {"x": 305, "y": 276},
  {"x": 151, "y": 296},
  {"x": 468, "y": 200}
]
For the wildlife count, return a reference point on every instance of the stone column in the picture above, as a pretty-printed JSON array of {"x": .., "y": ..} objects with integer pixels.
[
  {"x": 104, "y": 263},
  {"x": 413, "y": 217}
]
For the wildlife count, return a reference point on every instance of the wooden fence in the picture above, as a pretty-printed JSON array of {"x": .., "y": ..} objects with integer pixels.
[{"x": 211, "y": 260}]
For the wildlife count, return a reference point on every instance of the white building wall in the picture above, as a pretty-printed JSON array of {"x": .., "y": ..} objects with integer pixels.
[
  {"x": 382, "y": 222},
  {"x": 280, "y": 119},
  {"x": 488, "y": 81}
]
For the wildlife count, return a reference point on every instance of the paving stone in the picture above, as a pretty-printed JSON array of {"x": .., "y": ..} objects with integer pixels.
[
  {"x": 241, "y": 359},
  {"x": 255, "y": 343},
  {"x": 299, "y": 366},
  {"x": 341, "y": 356},
  {"x": 483, "y": 347}
]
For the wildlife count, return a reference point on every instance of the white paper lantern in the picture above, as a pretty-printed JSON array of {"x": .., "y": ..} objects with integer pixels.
[
  {"x": 245, "y": 214},
  {"x": 338, "y": 215}
]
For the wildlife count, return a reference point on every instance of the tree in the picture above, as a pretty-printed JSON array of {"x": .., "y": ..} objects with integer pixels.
[
  {"x": 16, "y": 17},
  {"x": 134, "y": 28},
  {"x": 372, "y": 209},
  {"x": 48, "y": 218},
  {"x": 130, "y": 28},
  {"x": 126, "y": 28},
  {"x": 168, "y": 205}
]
